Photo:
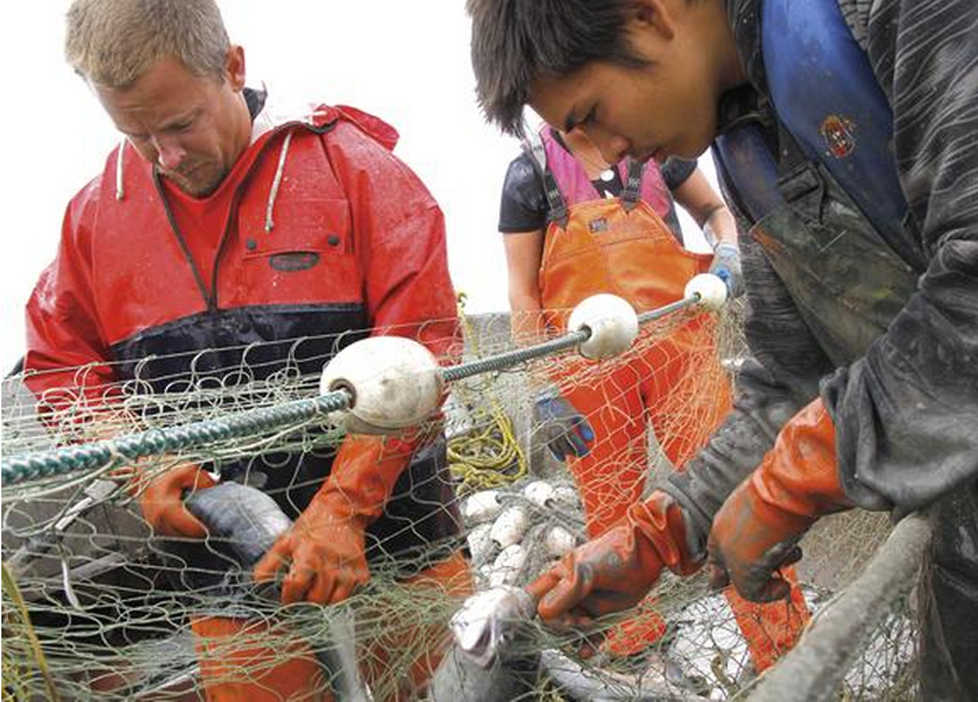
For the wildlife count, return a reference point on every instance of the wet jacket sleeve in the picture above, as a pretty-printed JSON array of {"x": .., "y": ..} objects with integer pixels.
[
  {"x": 676, "y": 171},
  {"x": 778, "y": 379},
  {"x": 400, "y": 239},
  {"x": 906, "y": 413},
  {"x": 62, "y": 327}
]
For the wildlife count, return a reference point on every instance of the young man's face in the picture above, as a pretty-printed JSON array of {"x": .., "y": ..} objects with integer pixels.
[
  {"x": 665, "y": 108},
  {"x": 192, "y": 127}
]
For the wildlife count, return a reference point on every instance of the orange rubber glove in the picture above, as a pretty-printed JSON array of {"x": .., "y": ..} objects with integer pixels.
[
  {"x": 324, "y": 551},
  {"x": 162, "y": 500},
  {"x": 615, "y": 571},
  {"x": 757, "y": 529}
]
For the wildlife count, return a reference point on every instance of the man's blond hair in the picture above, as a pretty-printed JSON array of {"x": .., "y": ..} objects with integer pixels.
[{"x": 114, "y": 42}]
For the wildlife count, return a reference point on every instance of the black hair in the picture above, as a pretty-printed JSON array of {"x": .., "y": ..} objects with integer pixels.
[{"x": 515, "y": 42}]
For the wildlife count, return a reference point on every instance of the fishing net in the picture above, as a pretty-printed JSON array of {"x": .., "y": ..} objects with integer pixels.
[{"x": 98, "y": 606}]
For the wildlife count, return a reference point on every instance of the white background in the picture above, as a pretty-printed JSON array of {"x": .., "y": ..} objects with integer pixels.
[{"x": 407, "y": 62}]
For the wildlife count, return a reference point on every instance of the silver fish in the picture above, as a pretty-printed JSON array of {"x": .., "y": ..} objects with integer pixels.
[
  {"x": 489, "y": 620},
  {"x": 248, "y": 520},
  {"x": 660, "y": 681},
  {"x": 459, "y": 679}
]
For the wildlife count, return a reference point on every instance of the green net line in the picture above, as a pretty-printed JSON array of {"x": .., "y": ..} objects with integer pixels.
[{"x": 124, "y": 449}]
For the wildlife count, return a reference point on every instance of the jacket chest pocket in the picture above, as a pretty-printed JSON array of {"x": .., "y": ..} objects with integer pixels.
[
  {"x": 306, "y": 257},
  {"x": 836, "y": 242},
  {"x": 845, "y": 281}
]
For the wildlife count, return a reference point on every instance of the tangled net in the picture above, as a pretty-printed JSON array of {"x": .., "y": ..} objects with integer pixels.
[{"x": 97, "y": 606}]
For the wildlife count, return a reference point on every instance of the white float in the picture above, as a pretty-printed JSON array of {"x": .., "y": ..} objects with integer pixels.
[
  {"x": 480, "y": 544},
  {"x": 507, "y": 566},
  {"x": 510, "y": 527},
  {"x": 711, "y": 289},
  {"x": 567, "y": 495},
  {"x": 540, "y": 493},
  {"x": 481, "y": 506},
  {"x": 394, "y": 383},
  {"x": 559, "y": 541},
  {"x": 612, "y": 322}
]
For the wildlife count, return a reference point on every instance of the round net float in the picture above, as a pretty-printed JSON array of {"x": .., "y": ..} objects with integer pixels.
[
  {"x": 567, "y": 495},
  {"x": 394, "y": 383},
  {"x": 481, "y": 506},
  {"x": 507, "y": 566},
  {"x": 481, "y": 546},
  {"x": 711, "y": 289},
  {"x": 539, "y": 492},
  {"x": 510, "y": 527},
  {"x": 559, "y": 541},
  {"x": 610, "y": 319}
]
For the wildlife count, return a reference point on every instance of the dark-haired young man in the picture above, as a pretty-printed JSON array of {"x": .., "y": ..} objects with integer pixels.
[{"x": 845, "y": 137}]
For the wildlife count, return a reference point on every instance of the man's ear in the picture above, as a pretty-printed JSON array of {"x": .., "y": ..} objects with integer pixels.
[
  {"x": 657, "y": 16},
  {"x": 234, "y": 67}
]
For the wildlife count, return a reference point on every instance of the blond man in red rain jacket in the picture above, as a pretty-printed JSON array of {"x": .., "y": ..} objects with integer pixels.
[{"x": 215, "y": 226}]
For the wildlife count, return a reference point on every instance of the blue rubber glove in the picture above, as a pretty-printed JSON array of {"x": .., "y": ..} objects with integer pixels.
[
  {"x": 726, "y": 266},
  {"x": 565, "y": 430}
]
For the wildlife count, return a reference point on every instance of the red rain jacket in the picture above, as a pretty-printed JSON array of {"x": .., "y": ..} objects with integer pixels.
[{"x": 357, "y": 241}]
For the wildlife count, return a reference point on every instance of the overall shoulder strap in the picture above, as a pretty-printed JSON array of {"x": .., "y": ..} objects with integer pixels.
[
  {"x": 828, "y": 101},
  {"x": 632, "y": 192},
  {"x": 534, "y": 148}
]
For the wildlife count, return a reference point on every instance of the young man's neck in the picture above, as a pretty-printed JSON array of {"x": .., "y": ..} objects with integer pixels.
[{"x": 730, "y": 70}]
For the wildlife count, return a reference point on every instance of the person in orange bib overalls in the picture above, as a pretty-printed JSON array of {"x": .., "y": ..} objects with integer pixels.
[{"x": 574, "y": 227}]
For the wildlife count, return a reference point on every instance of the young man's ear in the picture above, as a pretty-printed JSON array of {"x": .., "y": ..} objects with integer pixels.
[
  {"x": 234, "y": 67},
  {"x": 658, "y": 16}
]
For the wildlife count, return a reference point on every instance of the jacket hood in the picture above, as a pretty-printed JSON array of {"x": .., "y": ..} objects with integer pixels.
[{"x": 318, "y": 118}]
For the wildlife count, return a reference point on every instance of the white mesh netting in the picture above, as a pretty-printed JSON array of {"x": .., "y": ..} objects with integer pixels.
[{"x": 97, "y": 605}]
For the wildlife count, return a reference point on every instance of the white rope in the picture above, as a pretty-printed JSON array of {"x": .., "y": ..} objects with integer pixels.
[{"x": 269, "y": 222}]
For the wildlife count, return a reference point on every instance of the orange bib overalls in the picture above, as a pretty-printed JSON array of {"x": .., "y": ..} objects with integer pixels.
[{"x": 671, "y": 378}]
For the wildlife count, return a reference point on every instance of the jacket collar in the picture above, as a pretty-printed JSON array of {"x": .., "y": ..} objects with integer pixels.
[
  {"x": 746, "y": 102},
  {"x": 744, "y": 17}
]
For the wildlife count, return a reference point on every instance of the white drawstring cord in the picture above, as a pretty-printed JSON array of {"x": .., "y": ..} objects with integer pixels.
[
  {"x": 269, "y": 222},
  {"x": 119, "y": 190}
]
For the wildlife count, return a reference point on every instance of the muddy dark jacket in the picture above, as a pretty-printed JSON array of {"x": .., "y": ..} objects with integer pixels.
[{"x": 880, "y": 318}]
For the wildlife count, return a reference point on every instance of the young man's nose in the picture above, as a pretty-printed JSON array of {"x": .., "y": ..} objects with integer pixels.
[
  {"x": 617, "y": 149},
  {"x": 613, "y": 148}
]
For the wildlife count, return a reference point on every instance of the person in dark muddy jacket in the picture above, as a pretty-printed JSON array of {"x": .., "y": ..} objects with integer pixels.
[{"x": 846, "y": 138}]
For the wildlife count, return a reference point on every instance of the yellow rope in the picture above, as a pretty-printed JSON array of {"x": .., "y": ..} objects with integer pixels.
[
  {"x": 490, "y": 455},
  {"x": 10, "y": 664}
]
